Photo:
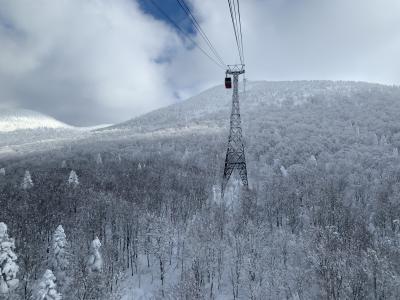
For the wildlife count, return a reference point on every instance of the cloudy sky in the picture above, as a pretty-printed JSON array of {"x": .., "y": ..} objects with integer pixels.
[{"x": 88, "y": 62}]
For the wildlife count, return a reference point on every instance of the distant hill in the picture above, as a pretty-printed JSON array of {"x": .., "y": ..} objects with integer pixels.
[{"x": 21, "y": 119}]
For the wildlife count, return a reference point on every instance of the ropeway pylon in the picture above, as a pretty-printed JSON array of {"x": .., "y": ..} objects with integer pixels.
[{"x": 235, "y": 157}]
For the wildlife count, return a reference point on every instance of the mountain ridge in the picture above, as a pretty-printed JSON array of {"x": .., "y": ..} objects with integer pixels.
[{"x": 21, "y": 119}]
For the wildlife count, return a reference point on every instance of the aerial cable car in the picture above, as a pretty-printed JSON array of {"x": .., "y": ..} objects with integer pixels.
[{"x": 228, "y": 82}]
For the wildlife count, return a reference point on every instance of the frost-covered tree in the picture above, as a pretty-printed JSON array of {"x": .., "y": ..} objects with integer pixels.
[
  {"x": 8, "y": 266},
  {"x": 47, "y": 288},
  {"x": 95, "y": 260},
  {"x": 395, "y": 152},
  {"x": 139, "y": 167},
  {"x": 2, "y": 172},
  {"x": 92, "y": 277},
  {"x": 60, "y": 256},
  {"x": 216, "y": 194},
  {"x": 27, "y": 182},
  {"x": 185, "y": 155},
  {"x": 63, "y": 164},
  {"x": 383, "y": 141},
  {"x": 375, "y": 140},
  {"x": 99, "y": 160},
  {"x": 73, "y": 179},
  {"x": 284, "y": 171},
  {"x": 73, "y": 182},
  {"x": 161, "y": 243},
  {"x": 313, "y": 160}
]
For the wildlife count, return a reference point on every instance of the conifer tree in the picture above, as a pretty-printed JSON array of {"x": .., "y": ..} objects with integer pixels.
[
  {"x": 47, "y": 288},
  {"x": 73, "y": 179},
  {"x": 99, "y": 160},
  {"x": 63, "y": 164},
  {"x": 395, "y": 152},
  {"x": 313, "y": 160},
  {"x": 27, "y": 182},
  {"x": 95, "y": 260},
  {"x": 284, "y": 171},
  {"x": 60, "y": 256},
  {"x": 8, "y": 266}
]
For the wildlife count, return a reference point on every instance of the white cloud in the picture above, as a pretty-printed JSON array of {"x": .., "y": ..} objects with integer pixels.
[
  {"x": 86, "y": 61},
  {"x": 91, "y": 61}
]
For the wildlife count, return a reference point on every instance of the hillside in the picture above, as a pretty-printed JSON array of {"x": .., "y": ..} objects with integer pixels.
[
  {"x": 212, "y": 107},
  {"x": 20, "y": 119},
  {"x": 317, "y": 116},
  {"x": 320, "y": 221}
]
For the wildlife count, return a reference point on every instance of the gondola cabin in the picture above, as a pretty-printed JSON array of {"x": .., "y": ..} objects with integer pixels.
[{"x": 228, "y": 82}]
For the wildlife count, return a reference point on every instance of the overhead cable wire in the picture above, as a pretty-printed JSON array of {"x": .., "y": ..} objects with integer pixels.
[
  {"x": 237, "y": 30},
  {"x": 240, "y": 29},
  {"x": 196, "y": 24},
  {"x": 237, "y": 23},
  {"x": 234, "y": 29},
  {"x": 185, "y": 34}
]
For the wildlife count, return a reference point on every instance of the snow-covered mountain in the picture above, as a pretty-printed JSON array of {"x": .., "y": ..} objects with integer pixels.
[
  {"x": 211, "y": 108},
  {"x": 265, "y": 106},
  {"x": 21, "y": 119},
  {"x": 25, "y": 131}
]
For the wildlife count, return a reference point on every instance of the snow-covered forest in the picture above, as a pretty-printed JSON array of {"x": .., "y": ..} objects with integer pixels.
[{"x": 135, "y": 212}]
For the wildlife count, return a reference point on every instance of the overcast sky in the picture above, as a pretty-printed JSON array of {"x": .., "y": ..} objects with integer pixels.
[{"x": 88, "y": 62}]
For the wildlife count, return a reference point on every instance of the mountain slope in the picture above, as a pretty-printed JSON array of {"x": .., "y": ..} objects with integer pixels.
[
  {"x": 18, "y": 119},
  {"x": 212, "y": 107}
]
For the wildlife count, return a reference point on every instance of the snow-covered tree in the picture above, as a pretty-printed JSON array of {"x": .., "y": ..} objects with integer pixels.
[
  {"x": 99, "y": 160},
  {"x": 47, "y": 288},
  {"x": 139, "y": 167},
  {"x": 2, "y": 172},
  {"x": 395, "y": 152},
  {"x": 383, "y": 141},
  {"x": 27, "y": 182},
  {"x": 8, "y": 266},
  {"x": 284, "y": 171},
  {"x": 185, "y": 155},
  {"x": 60, "y": 256},
  {"x": 95, "y": 261},
  {"x": 216, "y": 194},
  {"x": 375, "y": 140},
  {"x": 313, "y": 160},
  {"x": 63, "y": 164},
  {"x": 73, "y": 179}
]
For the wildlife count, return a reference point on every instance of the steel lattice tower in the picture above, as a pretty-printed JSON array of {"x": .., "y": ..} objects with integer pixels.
[{"x": 235, "y": 157}]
